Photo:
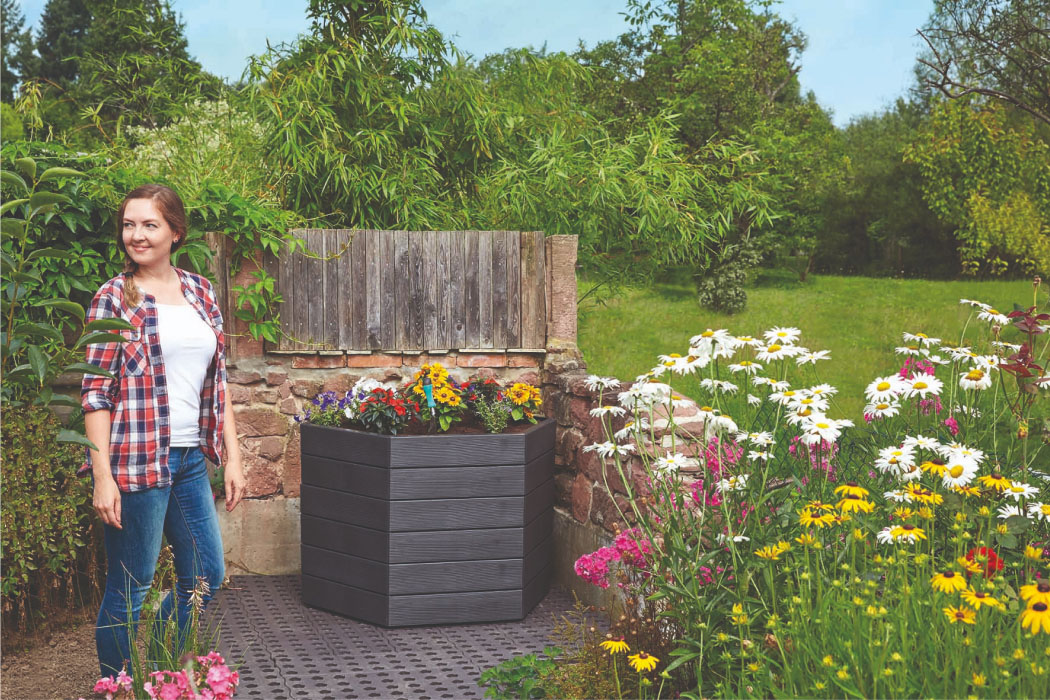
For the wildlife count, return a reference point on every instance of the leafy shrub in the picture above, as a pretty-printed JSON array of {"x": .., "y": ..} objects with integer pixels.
[
  {"x": 520, "y": 676},
  {"x": 50, "y": 553}
]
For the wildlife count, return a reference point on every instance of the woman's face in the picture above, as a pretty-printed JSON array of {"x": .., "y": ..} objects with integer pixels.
[{"x": 147, "y": 236}]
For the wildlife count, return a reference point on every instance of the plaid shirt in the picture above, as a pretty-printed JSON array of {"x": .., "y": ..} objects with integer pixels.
[{"x": 140, "y": 431}]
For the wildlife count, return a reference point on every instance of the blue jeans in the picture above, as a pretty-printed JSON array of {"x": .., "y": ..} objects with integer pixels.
[{"x": 184, "y": 513}]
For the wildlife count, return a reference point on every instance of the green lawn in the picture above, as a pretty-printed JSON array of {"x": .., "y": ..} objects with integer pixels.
[{"x": 859, "y": 319}]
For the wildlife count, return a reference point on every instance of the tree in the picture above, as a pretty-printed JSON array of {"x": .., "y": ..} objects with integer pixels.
[
  {"x": 998, "y": 49},
  {"x": 16, "y": 53},
  {"x": 60, "y": 42}
]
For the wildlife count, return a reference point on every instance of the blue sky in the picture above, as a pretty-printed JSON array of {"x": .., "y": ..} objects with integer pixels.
[{"x": 859, "y": 59}]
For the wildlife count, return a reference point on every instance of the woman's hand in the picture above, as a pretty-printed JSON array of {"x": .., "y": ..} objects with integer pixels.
[
  {"x": 233, "y": 476},
  {"x": 107, "y": 500}
]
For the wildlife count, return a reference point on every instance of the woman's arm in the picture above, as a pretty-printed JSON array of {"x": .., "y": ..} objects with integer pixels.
[
  {"x": 233, "y": 468},
  {"x": 106, "y": 497}
]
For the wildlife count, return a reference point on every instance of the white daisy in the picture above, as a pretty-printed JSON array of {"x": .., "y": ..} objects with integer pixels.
[
  {"x": 1040, "y": 511},
  {"x": 921, "y": 339},
  {"x": 967, "y": 411},
  {"x": 799, "y": 416},
  {"x": 783, "y": 336},
  {"x": 959, "y": 472},
  {"x": 895, "y": 459},
  {"x": 757, "y": 454},
  {"x": 776, "y": 351},
  {"x": 608, "y": 449},
  {"x": 992, "y": 316},
  {"x": 820, "y": 427},
  {"x": 913, "y": 350},
  {"x": 1009, "y": 510},
  {"x": 631, "y": 429},
  {"x": 708, "y": 338},
  {"x": 822, "y": 390},
  {"x": 885, "y": 389},
  {"x": 811, "y": 357},
  {"x": 753, "y": 400},
  {"x": 922, "y": 442},
  {"x": 923, "y": 385},
  {"x": 1018, "y": 490},
  {"x": 988, "y": 363},
  {"x": 971, "y": 302},
  {"x": 884, "y": 535},
  {"x": 762, "y": 381},
  {"x": 817, "y": 403},
  {"x": 898, "y": 496},
  {"x": 749, "y": 341},
  {"x": 602, "y": 411},
  {"x": 763, "y": 438},
  {"x": 955, "y": 450},
  {"x": 733, "y": 483},
  {"x": 783, "y": 397},
  {"x": 975, "y": 380},
  {"x": 882, "y": 410},
  {"x": 911, "y": 473},
  {"x": 1002, "y": 345},
  {"x": 673, "y": 463},
  {"x": 780, "y": 385},
  {"x": 719, "y": 385},
  {"x": 722, "y": 539},
  {"x": 596, "y": 383},
  {"x": 746, "y": 366},
  {"x": 961, "y": 354}
]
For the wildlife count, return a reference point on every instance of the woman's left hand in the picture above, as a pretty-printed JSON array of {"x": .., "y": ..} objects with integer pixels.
[{"x": 233, "y": 476}]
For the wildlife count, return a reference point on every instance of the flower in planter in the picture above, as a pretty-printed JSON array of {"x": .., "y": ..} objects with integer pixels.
[{"x": 446, "y": 392}]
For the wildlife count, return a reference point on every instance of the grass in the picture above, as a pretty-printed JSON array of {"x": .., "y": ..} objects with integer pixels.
[{"x": 859, "y": 319}]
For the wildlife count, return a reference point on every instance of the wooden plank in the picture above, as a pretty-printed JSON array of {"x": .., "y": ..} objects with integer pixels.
[
  {"x": 471, "y": 293},
  {"x": 512, "y": 328},
  {"x": 339, "y": 475},
  {"x": 442, "y": 300},
  {"x": 341, "y": 537},
  {"x": 533, "y": 288},
  {"x": 357, "y": 335},
  {"x": 485, "y": 289},
  {"x": 388, "y": 304},
  {"x": 431, "y": 281},
  {"x": 448, "y": 513},
  {"x": 445, "y": 608},
  {"x": 499, "y": 289},
  {"x": 373, "y": 292},
  {"x": 456, "y": 576},
  {"x": 315, "y": 295},
  {"x": 465, "y": 545},
  {"x": 293, "y": 312},
  {"x": 404, "y": 288},
  {"x": 345, "y": 600},
  {"x": 331, "y": 311},
  {"x": 417, "y": 294},
  {"x": 457, "y": 318},
  {"x": 343, "y": 296}
]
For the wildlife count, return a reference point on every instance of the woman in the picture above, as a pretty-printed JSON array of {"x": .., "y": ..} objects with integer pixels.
[{"x": 154, "y": 423}]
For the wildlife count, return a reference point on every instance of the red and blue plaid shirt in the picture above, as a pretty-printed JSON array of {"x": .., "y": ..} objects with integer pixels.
[{"x": 140, "y": 431}]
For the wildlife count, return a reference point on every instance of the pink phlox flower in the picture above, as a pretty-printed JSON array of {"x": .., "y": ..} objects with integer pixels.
[
  {"x": 593, "y": 570},
  {"x": 926, "y": 404},
  {"x": 719, "y": 454},
  {"x": 952, "y": 425},
  {"x": 913, "y": 365},
  {"x": 704, "y": 496},
  {"x": 633, "y": 547}
]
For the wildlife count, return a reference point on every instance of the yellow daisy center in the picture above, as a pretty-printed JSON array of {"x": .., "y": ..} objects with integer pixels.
[{"x": 882, "y": 386}]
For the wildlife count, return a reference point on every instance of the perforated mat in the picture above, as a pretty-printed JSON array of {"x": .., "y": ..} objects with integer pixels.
[{"x": 287, "y": 650}]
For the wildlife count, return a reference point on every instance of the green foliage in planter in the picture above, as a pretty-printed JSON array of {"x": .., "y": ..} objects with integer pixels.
[{"x": 50, "y": 553}]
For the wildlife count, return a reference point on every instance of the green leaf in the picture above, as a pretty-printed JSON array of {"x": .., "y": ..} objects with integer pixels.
[
  {"x": 88, "y": 368},
  {"x": 6, "y": 264},
  {"x": 26, "y": 166},
  {"x": 1017, "y": 523},
  {"x": 54, "y": 173},
  {"x": 96, "y": 338},
  {"x": 11, "y": 204},
  {"x": 9, "y": 178},
  {"x": 43, "y": 199},
  {"x": 65, "y": 305},
  {"x": 108, "y": 324},
  {"x": 26, "y": 277},
  {"x": 54, "y": 253},
  {"x": 38, "y": 360},
  {"x": 64, "y": 400},
  {"x": 13, "y": 227},
  {"x": 32, "y": 329},
  {"x": 67, "y": 435}
]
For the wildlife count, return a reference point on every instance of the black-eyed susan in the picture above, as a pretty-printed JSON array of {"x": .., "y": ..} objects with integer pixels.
[
  {"x": 1033, "y": 553},
  {"x": 1038, "y": 592},
  {"x": 979, "y": 598},
  {"x": 852, "y": 504},
  {"x": 961, "y": 614},
  {"x": 979, "y": 680},
  {"x": 739, "y": 616},
  {"x": 819, "y": 505},
  {"x": 1036, "y": 618},
  {"x": 969, "y": 566},
  {"x": 995, "y": 480},
  {"x": 923, "y": 495},
  {"x": 948, "y": 582},
  {"x": 933, "y": 466},
  {"x": 642, "y": 662},
  {"x": 925, "y": 512},
  {"x": 772, "y": 552},
  {"x": 810, "y": 518},
  {"x": 903, "y": 512},
  {"x": 851, "y": 489},
  {"x": 967, "y": 491},
  {"x": 615, "y": 645},
  {"x": 905, "y": 532},
  {"x": 807, "y": 540}
]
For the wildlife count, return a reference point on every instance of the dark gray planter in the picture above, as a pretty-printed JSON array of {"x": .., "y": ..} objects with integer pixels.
[{"x": 427, "y": 529}]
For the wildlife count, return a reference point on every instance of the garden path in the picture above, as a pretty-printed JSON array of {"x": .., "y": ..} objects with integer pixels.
[{"x": 288, "y": 650}]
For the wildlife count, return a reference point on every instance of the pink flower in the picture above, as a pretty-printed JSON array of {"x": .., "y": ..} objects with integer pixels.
[{"x": 952, "y": 424}]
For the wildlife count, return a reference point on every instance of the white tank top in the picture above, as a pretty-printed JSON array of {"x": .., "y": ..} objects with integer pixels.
[{"x": 187, "y": 343}]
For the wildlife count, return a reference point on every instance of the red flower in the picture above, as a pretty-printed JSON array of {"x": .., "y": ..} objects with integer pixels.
[{"x": 986, "y": 557}]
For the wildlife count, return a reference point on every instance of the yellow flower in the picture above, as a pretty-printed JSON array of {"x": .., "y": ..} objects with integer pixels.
[
  {"x": 935, "y": 466},
  {"x": 1036, "y": 592},
  {"x": 852, "y": 503},
  {"x": 642, "y": 662},
  {"x": 615, "y": 646},
  {"x": 995, "y": 481},
  {"x": 843, "y": 674},
  {"x": 969, "y": 565},
  {"x": 907, "y": 532},
  {"x": 809, "y": 518},
  {"x": 1018, "y": 654},
  {"x": 922, "y": 495},
  {"x": 979, "y": 598},
  {"x": 926, "y": 513},
  {"x": 829, "y": 661},
  {"x": 851, "y": 489},
  {"x": 1002, "y": 529},
  {"x": 967, "y": 490},
  {"x": 1036, "y": 617},
  {"x": 961, "y": 614},
  {"x": 979, "y": 680},
  {"x": 807, "y": 540},
  {"x": 858, "y": 534},
  {"x": 819, "y": 505},
  {"x": 1033, "y": 553},
  {"x": 948, "y": 582},
  {"x": 753, "y": 666},
  {"x": 739, "y": 616},
  {"x": 903, "y": 512}
]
